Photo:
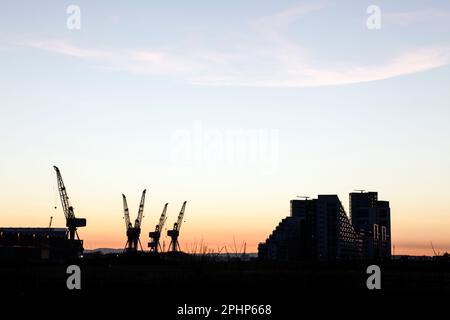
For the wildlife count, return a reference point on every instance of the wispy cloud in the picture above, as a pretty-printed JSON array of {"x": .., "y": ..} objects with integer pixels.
[
  {"x": 154, "y": 61},
  {"x": 404, "y": 64},
  {"x": 68, "y": 49},
  {"x": 262, "y": 56},
  {"x": 289, "y": 15},
  {"x": 410, "y": 17}
]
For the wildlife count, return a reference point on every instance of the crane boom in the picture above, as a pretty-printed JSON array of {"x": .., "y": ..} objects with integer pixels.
[
  {"x": 67, "y": 208},
  {"x": 177, "y": 225},
  {"x": 137, "y": 223},
  {"x": 162, "y": 219},
  {"x": 126, "y": 212}
]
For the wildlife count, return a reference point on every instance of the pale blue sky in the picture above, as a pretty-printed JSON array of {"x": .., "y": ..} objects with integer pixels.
[{"x": 353, "y": 108}]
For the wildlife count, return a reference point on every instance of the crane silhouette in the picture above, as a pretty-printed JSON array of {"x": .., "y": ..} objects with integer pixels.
[
  {"x": 72, "y": 223},
  {"x": 133, "y": 232},
  {"x": 154, "y": 244},
  {"x": 175, "y": 232}
]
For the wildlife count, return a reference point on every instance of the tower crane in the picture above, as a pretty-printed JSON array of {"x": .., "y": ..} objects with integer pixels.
[
  {"x": 72, "y": 223},
  {"x": 133, "y": 232},
  {"x": 154, "y": 244},
  {"x": 175, "y": 232}
]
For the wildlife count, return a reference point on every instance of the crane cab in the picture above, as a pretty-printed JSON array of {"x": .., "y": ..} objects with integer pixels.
[{"x": 76, "y": 223}]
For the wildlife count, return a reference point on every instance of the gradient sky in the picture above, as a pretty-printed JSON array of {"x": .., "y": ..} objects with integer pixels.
[{"x": 149, "y": 95}]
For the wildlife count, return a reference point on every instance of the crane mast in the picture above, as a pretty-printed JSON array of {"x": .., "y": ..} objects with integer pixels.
[
  {"x": 154, "y": 244},
  {"x": 72, "y": 223},
  {"x": 175, "y": 232}
]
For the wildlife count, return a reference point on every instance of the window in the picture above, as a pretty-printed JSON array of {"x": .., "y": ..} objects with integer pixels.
[{"x": 376, "y": 232}]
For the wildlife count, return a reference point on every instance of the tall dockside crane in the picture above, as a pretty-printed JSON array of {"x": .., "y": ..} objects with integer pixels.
[
  {"x": 154, "y": 244},
  {"x": 133, "y": 232},
  {"x": 72, "y": 223},
  {"x": 175, "y": 232}
]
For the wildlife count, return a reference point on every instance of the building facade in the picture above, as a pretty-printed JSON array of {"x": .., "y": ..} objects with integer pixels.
[
  {"x": 319, "y": 229},
  {"x": 372, "y": 220},
  {"x": 35, "y": 244}
]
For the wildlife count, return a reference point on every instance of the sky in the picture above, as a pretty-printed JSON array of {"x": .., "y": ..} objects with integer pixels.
[{"x": 235, "y": 108}]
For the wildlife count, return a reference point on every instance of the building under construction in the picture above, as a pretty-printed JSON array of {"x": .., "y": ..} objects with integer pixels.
[{"x": 319, "y": 229}]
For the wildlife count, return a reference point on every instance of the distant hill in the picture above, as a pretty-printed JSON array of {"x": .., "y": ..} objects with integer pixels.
[
  {"x": 103, "y": 251},
  {"x": 221, "y": 256}
]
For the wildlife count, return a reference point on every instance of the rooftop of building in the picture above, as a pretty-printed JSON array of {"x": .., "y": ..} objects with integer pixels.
[{"x": 37, "y": 231}]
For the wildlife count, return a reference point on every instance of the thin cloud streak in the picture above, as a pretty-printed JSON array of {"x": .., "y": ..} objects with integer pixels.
[
  {"x": 287, "y": 69},
  {"x": 419, "y": 60},
  {"x": 264, "y": 56},
  {"x": 411, "y": 17},
  {"x": 68, "y": 49}
]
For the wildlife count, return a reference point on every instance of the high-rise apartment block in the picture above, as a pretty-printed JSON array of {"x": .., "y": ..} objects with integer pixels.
[{"x": 319, "y": 229}]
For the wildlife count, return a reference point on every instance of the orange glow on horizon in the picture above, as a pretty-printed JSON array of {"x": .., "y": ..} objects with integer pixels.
[{"x": 247, "y": 219}]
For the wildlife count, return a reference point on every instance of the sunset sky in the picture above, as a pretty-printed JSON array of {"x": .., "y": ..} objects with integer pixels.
[{"x": 236, "y": 109}]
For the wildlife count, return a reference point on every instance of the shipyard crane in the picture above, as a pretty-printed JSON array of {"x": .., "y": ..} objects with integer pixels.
[
  {"x": 133, "y": 232},
  {"x": 175, "y": 232},
  {"x": 154, "y": 244},
  {"x": 72, "y": 223}
]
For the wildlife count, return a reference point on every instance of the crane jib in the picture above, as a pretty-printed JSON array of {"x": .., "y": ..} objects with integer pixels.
[{"x": 72, "y": 223}]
